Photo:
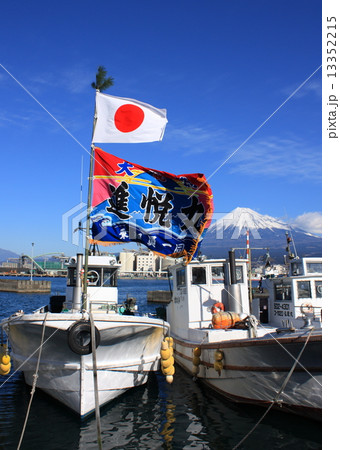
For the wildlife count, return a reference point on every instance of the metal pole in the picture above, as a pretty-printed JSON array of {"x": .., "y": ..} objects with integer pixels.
[
  {"x": 250, "y": 286},
  {"x": 89, "y": 197},
  {"x": 32, "y": 262}
]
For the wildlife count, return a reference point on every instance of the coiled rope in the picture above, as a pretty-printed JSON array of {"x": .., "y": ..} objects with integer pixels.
[{"x": 275, "y": 400}]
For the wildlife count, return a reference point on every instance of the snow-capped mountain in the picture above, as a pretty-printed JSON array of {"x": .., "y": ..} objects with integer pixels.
[{"x": 229, "y": 231}]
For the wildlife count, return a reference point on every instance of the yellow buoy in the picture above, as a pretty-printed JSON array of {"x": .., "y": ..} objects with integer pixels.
[
  {"x": 5, "y": 368},
  {"x": 167, "y": 362},
  {"x": 165, "y": 354},
  {"x": 219, "y": 355},
  {"x": 5, "y": 359},
  {"x": 169, "y": 370},
  {"x": 169, "y": 379},
  {"x": 196, "y": 360},
  {"x": 195, "y": 370},
  {"x": 170, "y": 341},
  {"x": 167, "y": 359},
  {"x": 165, "y": 345},
  {"x": 197, "y": 351},
  {"x": 218, "y": 366}
]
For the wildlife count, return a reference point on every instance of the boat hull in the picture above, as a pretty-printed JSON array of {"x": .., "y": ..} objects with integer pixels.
[
  {"x": 254, "y": 370},
  {"x": 129, "y": 349}
]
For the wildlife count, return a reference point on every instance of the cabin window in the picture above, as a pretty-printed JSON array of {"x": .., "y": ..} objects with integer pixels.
[
  {"x": 180, "y": 277},
  {"x": 199, "y": 275},
  {"x": 239, "y": 274},
  {"x": 296, "y": 268},
  {"x": 318, "y": 289},
  {"x": 71, "y": 276},
  {"x": 283, "y": 291},
  {"x": 314, "y": 267},
  {"x": 304, "y": 289},
  {"x": 217, "y": 275},
  {"x": 109, "y": 277},
  {"x": 93, "y": 278}
]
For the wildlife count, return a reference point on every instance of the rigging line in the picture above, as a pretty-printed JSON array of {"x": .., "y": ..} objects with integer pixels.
[
  {"x": 35, "y": 379},
  {"x": 43, "y": 107},
  {"x": 95, "y": 380},
  {"x": 258, "y": 128},
  {"x": 292, "y": 356},
  {"x": 275, "y": 400},
  {"x": 28, "y": 358},
  {"x": 51, "y": 115}
]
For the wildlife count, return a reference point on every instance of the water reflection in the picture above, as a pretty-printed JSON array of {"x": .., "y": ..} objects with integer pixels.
[
  {"x": 183, "y": 415},
  {"x": 156, "y": 416}
]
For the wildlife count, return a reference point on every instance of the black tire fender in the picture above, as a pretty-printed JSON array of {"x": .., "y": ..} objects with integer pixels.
[{"x": 79, "y": 337}]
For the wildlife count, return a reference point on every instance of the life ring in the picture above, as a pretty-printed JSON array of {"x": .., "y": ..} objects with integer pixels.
[
  {"x": 307, "y": 308},
  {"x": 79, "y": 337},
  {"x": 218, "y": 305}
]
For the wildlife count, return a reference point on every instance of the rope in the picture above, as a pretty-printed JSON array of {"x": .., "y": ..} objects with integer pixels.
[
  {"x": 95, "y": 380},
  {"x": 27, "y": 359},
  {"x": 275, "y": 400},
  {"x": 35, "y": 379}
]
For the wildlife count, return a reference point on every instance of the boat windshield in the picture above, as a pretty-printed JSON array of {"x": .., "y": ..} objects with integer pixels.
[
  {"x": 96, "y": 276},
  {"x": 318, "y": 289},
  {"x": 304, "y": 290},
  {"x": 217, "y": 274},
  {"x": 180, "y": 277},
  {"x": 314, "y": 267},
  {"x": 199, "y": 275}
]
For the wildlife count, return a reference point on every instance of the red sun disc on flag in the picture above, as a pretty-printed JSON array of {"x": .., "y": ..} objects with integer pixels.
[{"x": 128, "y": 118}]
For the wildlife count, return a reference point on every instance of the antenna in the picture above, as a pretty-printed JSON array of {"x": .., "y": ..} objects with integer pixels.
[{"x": 290, "y": 239}]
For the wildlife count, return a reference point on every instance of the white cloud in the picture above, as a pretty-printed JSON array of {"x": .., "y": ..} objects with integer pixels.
[
  {"x": 279, "y": 157},
  {"x": 313, "y": 87},
  {"x": 195, "y": 139},
  {"x": 311, "y": 221}
]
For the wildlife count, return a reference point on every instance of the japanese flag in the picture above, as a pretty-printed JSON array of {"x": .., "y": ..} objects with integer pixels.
[{"x": 126, "y": 120}]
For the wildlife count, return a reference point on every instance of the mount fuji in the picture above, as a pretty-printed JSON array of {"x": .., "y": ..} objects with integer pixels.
[{"x": 265, "y": 232}]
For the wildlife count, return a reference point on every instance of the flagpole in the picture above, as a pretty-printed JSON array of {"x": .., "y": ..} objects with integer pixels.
[{"x": 89, "y": 197}]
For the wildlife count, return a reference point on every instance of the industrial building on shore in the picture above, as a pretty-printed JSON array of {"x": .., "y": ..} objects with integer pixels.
[{"x": 134, "y": 263}]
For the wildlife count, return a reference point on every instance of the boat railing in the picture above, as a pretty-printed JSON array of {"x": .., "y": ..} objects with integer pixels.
[
  {"x": 108, "y": 307},
  {"x": 309, "y": 310}
]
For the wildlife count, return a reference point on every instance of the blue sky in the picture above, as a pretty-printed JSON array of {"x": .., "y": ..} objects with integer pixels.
[{"x": 220, "y": 68}]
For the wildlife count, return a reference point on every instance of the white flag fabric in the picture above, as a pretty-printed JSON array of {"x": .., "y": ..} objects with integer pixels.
[{"x": 125, "y": 120}]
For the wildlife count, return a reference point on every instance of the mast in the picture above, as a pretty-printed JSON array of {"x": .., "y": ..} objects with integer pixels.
[
  {"x": 249, "y": 274},
  {"x": 101, "y": 84},
  {"x": 89, "y": 197}
]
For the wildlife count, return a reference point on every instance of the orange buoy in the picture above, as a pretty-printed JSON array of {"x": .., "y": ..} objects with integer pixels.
[
  {"x": 217, "y": 307},
  {"x": 225, "y": 319}
]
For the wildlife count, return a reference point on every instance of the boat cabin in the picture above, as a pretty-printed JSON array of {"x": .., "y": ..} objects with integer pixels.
[
  {"x": 101, "y": 281},
  {"x": 292, "y": 296},
  {"x": 288, "y": 301},
  {"x": 196, "y": 287}
]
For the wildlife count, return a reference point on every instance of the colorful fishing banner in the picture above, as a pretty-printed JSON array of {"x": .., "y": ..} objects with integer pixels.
[{"x": 165, "y": 212}]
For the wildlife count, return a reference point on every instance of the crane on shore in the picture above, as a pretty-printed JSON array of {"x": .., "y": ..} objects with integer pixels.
[{"x": 40, "y": 269}]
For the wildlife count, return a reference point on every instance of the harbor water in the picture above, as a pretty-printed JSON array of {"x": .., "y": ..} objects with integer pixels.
[{"x": 183, "y": 415}]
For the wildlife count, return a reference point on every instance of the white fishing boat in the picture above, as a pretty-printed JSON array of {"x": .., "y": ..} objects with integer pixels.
[
  {"x": 53, "y": 345},
  {"x": 85, "y": 349},
  {"x": 267, "y": 352}
]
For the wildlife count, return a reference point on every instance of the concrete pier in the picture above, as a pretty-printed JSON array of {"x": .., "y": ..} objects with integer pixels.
[
  {"x": 159, "y": 296},
  {"x": 25, "y": 286}
]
